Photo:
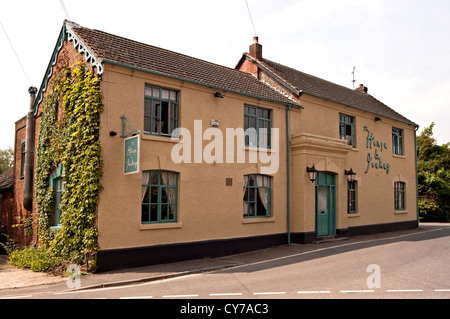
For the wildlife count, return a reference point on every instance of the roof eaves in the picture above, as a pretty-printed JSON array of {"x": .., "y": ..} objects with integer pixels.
[
  {"x": 293, "y": 104},
  {"x": 49, "y": 71},
  {"x": 406, "y": 121},
  {"x": 83, "y": 47},
  {"x": 67, "y": 33}
]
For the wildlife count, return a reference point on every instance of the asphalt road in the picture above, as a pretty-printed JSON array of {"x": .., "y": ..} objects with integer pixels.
[{"x": 413, "y": 266}]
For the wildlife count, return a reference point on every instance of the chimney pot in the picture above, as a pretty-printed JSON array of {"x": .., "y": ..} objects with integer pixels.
[{"x": 362, "y": 89}]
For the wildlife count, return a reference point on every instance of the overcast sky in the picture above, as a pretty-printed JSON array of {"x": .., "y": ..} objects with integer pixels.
[{"x": 400, "y": 48}]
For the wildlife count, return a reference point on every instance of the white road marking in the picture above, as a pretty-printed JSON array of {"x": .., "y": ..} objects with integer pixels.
[
  {"x": 90, "y": 290},
  {"x": 270, "y": 293},
  {"x": 140, "y": 297},
  {"x": 17, "y": 297},
  {"x": 315, "y": 292},
  {"x": 227, "y": 294},
  {"x": 404, "y": 290},
  {"x": 356, "y": 291},
  {"x": 179, "y": 296},
  {"x": 442, "y": 290}
]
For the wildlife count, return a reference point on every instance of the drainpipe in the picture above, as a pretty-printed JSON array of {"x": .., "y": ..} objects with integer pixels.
[
  {"x": 417, "y": 175},
  {"x": 288, "y": 169},
  {"x": 29, "y": 153}
]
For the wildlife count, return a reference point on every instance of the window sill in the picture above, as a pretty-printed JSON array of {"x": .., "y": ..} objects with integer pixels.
[
  {"x": 400, "y": 212},
  {"x": 259, "y": 149},
  {"x": 160, "y": 226},
  {"x": 399, "y": 156},
  {"x": 353, "y": 215},
  {"x": 256, "y": 220},
  {"x": 156, "y": 138}
]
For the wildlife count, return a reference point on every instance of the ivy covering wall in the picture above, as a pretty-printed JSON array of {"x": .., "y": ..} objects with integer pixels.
[{"x": 72, "y": 140}]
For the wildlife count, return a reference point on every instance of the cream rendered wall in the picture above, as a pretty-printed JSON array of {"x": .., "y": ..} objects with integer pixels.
[
  {"x": 207, "y": 209},
  {"x": 318, "y": 143}
]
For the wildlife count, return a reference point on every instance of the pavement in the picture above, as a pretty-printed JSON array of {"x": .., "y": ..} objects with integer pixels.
[{"x": 13, "y": 278}]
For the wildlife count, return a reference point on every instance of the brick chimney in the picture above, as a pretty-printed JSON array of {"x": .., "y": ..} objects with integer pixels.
[
  {"x": 256, "y": 49},
  {"x": 362, "y": 89}
]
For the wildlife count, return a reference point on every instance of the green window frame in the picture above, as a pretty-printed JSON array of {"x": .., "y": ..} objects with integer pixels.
[
  {"x": 257, "y": 126},
  {"x": 397, "y": 141},
  {"x": 351, "y": 201},
  {"x": 160, "y": 111},
  {"x": 159, "y": 197},
  {"x": 57, "y": 183},
  {"x": 399, "y": 195},
  {"x": 22, "y": 160},
  {"x": 347, "y": 129},
  {"x": 257, "y": 196}
]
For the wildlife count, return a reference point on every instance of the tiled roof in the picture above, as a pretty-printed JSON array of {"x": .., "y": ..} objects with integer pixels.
[
  {"x": 328, "y": 90},
  {"x": 6, "y": 180},
  {"x": 114, "y": 49}
]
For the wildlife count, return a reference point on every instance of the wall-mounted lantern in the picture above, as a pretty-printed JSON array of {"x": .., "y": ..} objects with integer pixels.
[
  {"x": 312, "y": 171},
  {"x": 350, "y": 175}
]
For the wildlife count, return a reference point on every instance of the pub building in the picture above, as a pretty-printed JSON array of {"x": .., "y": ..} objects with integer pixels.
[{"x": 205, "y": 160}]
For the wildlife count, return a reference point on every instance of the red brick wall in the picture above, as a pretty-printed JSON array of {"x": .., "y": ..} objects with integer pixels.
[
  {"x": 68, "y": 56},
  {"x": 249, "y": 67},
  {"x": 17, "y": 213},
  {"x": 6, "y": 206}
]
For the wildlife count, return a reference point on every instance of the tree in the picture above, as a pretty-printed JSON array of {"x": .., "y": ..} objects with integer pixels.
[
  {"x": 433, "y": 163},
  {"x": 6, "y": 159}
]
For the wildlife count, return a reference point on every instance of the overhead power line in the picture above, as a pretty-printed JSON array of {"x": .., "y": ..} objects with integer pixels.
[
  {"x": 14, "y": 50},
  {"x": 64, "y": 8},
  {"x": 251, "y": 19}
]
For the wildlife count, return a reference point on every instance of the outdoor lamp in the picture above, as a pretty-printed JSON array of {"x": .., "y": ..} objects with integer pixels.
[
  {"x": 312, "y": 171},
  {"x": 350, "y": 175}
]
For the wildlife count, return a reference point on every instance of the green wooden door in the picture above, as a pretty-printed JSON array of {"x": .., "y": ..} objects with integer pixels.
[{"x": 325, "y": 204}]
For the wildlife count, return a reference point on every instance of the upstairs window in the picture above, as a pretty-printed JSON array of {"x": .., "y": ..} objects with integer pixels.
[
  {"x": 257, "y": 126},
  {"x": 160, "y": 111},
  {"x": 347, "y": 129},
  {"x": 397, "y": 141}
]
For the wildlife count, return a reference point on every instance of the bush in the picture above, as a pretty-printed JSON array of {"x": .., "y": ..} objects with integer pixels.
[
  {"x": 34, "y": 258},
  {"x": 430, "y": 211}
]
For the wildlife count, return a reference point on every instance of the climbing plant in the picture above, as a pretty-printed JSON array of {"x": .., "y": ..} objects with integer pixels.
[
  {"x": 82, "y": 104},
  {"x": 73, "y": 141},
  {"x": 48, "y": 156}
]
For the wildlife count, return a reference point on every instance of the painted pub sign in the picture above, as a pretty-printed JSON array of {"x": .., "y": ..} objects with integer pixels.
[
  {"x": 375, "y": 147},
  {"x": 131, "y": 160}
]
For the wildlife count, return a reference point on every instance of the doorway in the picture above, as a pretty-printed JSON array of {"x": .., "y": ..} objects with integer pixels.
[{"x": 325, "y": 204}]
